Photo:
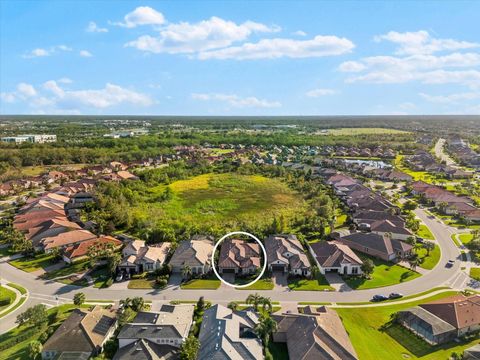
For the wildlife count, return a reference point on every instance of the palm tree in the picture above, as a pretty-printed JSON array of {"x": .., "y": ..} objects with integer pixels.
[
  {"x": 414, "y": 261},
  {"x": 254, "y": 299},
  {"x": 266, "y": 303},
  {"x": 265, "y": 327},
  {"x": 233, "y": 305},
  {"x": 429, "y": 246},
  {"x": 186, "y": 271}
]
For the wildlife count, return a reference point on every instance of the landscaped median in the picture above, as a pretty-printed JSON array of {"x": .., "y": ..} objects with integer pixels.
[
  {"x": 428, "y": 259},
  {"x": 8, "y": 308}
]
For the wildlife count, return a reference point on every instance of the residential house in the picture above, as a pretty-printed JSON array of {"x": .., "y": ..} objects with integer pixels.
[
  {"x": 144, "y": 349},
  {"x": 195, "y": 253},
  {"x": 316, "y": 334},
  {"x": 82, "y": 334},
  {"x": 239, "y": 257},
  {"x": 443, "y": 320},
  {"x": 229, "y": 335},
  {"x": 138, "y": 257},
  {"x": 170, "y": 326},
  {"x": 66, "y": 239},
  {"x": 79, "y": 251},
  {"x": 379, "y": 246},
  {"x": 285, "y": 253},
  {"x": 396, "y": 230},
  {"x": 333, "y": 256}
]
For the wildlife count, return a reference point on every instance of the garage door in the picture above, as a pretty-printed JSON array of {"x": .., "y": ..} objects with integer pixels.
[
  {"x": 228, "y": 271},
  {"x": 278, "y": 267}
]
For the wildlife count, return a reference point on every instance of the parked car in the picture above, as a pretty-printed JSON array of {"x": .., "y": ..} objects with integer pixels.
[
  {"x": 419, "y": 239},
  {"x": 395, "y": 296},
  {"x": 119, "y": 277},
  {"x": 377, "y": 298},
  {"x": 450, "y": 263}
]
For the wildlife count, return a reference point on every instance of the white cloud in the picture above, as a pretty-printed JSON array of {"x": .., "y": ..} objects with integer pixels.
[
  {"x": 351, "y": 66},
  {"x": 55, "y": 99},
  {"x": 237, "y": 101},
  {"x": 300, "y": 33},
  {"x": 421, "y": 42},
  {"x": 320, "y": 92},
  {"x": 92, "y": 27},
  {"x": 26, "y": 90},
  {"x": 39, "y": 52},
  {"x": 85, "y": 53},
  {"x": 65, "y": 80},
  {"x": 142, "y": 15},
  {"x": 276, "y": 48},
  {"x": 451, "y": 98},
  {"x": 208, "y": 34}
]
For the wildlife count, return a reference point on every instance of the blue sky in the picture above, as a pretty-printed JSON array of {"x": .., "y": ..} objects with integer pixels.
[{"x": 239, "y": 57}]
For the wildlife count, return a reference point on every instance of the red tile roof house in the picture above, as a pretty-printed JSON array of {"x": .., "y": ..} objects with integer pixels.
[
  {"x": 333, "y": 256},
  {"x": 382, "y": 247},
  {"x": 239, "y": 257},
  {"x": 138, "y": 257},
  {"x": 79, "y": 251},
  {"x": 285, "y": 253},
  {"x": 66, "y": 239},
  {"x": 443, "y": 320}
]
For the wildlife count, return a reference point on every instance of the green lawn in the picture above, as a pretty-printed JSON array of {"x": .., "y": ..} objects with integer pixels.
[
  {"x": 5, "y": 251},
  {"x": 262, "y": 284},
  {"x": 218, "y": 200},
  {"x": 30, "y": 264},
  {"x": 424, "y": 232},
  {"x": 100, "y": 276},
  {"x": 6, "y": 294},
  {"x": 318, "y": 284},
  {"x": 384, "y": 274},
  {"x": 475, "y": 273},
  {"x": 78, "y": 267},
  {"x": 18, "y": 287},
  {"x": 465, "y": 238},
  {"x": 370, "y": 342},
  {"x": 142, "y": 284},
  {"x": 428, "y": 262},
  {"x": 199, "y": 284}
]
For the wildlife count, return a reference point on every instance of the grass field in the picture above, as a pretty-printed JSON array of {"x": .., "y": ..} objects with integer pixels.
[
  {"x": 318, "y": 284},
  {"x": 221, "y": 200},
  {"x": 363, "y": 131},
  {"x": 465, "y": 238},
  {"x": 29, "y": 264},
  {"x": 6, "y": 294},
  {"x": 364, "y": 329},
  {"x": 199, "y": 284},
  {"x": 428, "y": 262},
  {"x": 384, "y": 274},
  {"x": 262, "y": 284},
  {"x": 424, "y": 232},
  {"x": 475, "y": 273}
]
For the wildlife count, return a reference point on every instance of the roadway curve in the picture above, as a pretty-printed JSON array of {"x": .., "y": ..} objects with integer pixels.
[{"x": 52, "y": 293}]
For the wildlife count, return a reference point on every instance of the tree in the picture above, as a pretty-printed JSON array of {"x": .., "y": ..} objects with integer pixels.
[
  {"x": 79, "y": 299},
  {"x": 233, "y": 305},
  {"x": 137, "y": 303},
  {"x": 113, "y": 259},
  {"x": 266, "y": 303},
  {"x": 125, "y": 316},
  {"x": 186, "y": 271},
  {"x": 367, "y": 267},
  {"x": 409, "y": 205},
  {"x": 35, "y": 315},
  {"x": 429, "y": 246},
  {"x": 34, "y": 349},
  {"x": 414, "y": 261},
  {"x": 189, "y": 349},
  {"x": 265, "y": 327},
  {"x": 254, "y": 299},
  {"x": 201, "y": 304}
]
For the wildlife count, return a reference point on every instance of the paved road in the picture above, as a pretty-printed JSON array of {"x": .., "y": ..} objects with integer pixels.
[
  {"x": 441, "y": 154},
  {"x": 48, "y": 291}
]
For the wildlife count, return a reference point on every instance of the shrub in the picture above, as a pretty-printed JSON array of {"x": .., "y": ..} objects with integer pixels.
[{"x": 109, "y": 282}]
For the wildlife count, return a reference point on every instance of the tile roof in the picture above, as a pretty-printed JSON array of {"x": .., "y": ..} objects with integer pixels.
[
  {"x": 81, "y": 249},
  {"x": 334, "y": 253},
  {"x": 460, "y": 311},
  {"x": 194, "y": 252},
  {"x": 144, "y": 349},
  {"x": 239, "y": 253},
  {"x": 277, "y": 245},
  {"x": 67, "y": 238}
]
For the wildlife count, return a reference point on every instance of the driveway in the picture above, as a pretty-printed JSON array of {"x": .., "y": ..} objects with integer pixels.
[
  {"x": 280, "y": 280},
  {"x": 336, "y": 281}
]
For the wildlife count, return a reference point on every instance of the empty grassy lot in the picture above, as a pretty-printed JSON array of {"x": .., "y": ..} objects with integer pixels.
[
  {"x": 201, "y": 284},
  {"x": 384, "y": 274},
  {"x": 318, "y": 284},
  {"x": 370, "y": 342},
  {"x": 31, "y": 264},
  {"x": 364, "y": 131},
  {"x": 220, "y": 200}
]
